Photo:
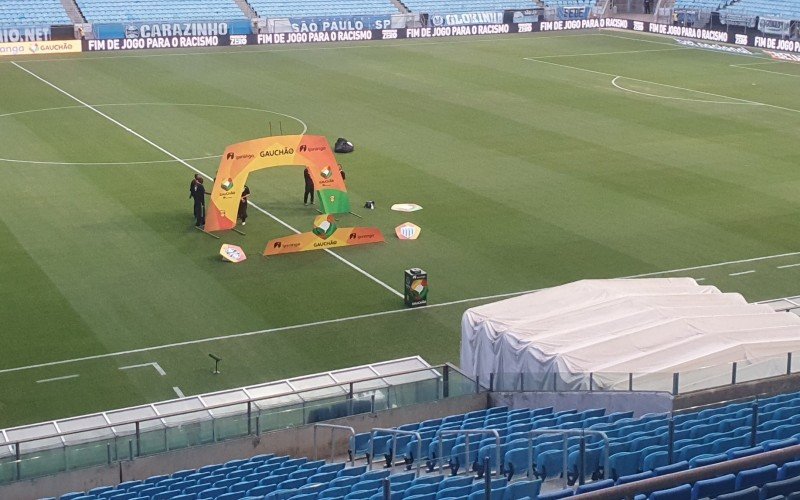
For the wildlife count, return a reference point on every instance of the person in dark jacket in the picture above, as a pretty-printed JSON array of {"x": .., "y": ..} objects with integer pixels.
[
  {"x": 243, "y": 204},
  {"x": 309, "y": 187},
  {"x": 198, "y": 194}
]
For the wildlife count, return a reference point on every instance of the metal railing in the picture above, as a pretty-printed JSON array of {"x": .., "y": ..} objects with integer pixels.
[
  {"x": 333, "y": 429},
  {"x": 676, "y": 383},
  {"x": 565, "y": 449},
  {"x": 394, "y": 433},
  {"x": 467, "y": 433}
]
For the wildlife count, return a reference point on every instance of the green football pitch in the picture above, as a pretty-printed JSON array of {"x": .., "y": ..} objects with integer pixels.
[{"x": 539, "y": 160}]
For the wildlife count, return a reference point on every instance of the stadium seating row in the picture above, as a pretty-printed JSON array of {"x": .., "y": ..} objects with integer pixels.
[
  {"x": 636, "y": 448},
  {"x": 150, "y": 10},
  {"x": 16, "y": 13}
]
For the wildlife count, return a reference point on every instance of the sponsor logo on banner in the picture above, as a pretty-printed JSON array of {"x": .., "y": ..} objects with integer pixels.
[
  {"x": 13, "y": 35},
  {"x": 339, "y": 23},
  {"x": 407, "y": 231},
  {"x": 783, "y": 56},
  {"x": 324, "y": 226},
  {"x": 227, "y": 185},
  {"x": 419, "y": 290},
  {"x": 35, "y": 48},
  {"x": 238, "y": 40},
  {"x": 276, "y": 152},
  {"x": 763, "y": 42},
  {"x": 339, "y": 237},
  {"x": 142, "y": 30},
  {"x": 467, "y": 18},
  {"x": 303, "y": 148},
  {"x": 230, "y": 156},
  {"x": 232, "y": 253},
  {"x": 712, "y": 46}
]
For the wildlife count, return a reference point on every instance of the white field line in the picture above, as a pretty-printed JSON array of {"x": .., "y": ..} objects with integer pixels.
[
  {"x": 183, "y": 162},
  {"x": 179, "y": 392},
  {"x": 146, "y": 54},
  {"x": 742, "y": 66},
  {"x": 613, "y": 53},
  {"x": 788, "y": 265},
  {"x": 718, "y": 264},
  {"x": 357, "y": 317},
  {"x": 742, "y": 272},
  {"x": 706, "y": 101},
  {"x": 774, "y": 106},
  {"x": 144, "y": 365},
  {"x": 757, "y": 56},
  {"x": 65, "y": 377}
]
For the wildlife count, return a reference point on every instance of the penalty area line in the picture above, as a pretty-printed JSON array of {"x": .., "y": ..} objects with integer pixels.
[{"x": 186, "y": 164}]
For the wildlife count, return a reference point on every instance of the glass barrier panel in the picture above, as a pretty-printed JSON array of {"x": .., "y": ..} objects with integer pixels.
[
  {"x": 460, "y": 384},
  {"x": 760, "y": 369},
  {"x": 705, "y": 378},
  {"x": 655, "y": 382},
  {"x": 8, "y": 470},
  {"x": 280, "y": 418},
  {"x": 190, "y": 434},
  {"x": 42, "y": 463},
  {"x": 152, "y": 442},
  {"x": 79, "y": 456},
  {"x": 413, "y": 393},
  {"x": 233, "y": 426}
]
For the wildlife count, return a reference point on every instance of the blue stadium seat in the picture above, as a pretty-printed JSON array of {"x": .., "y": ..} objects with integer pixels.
[
  {"x": 783, "y": 487},
  {"x": 789, "y": 470},
  {"x": 624, "y": 464},
  {"x": 682, "y": 492},
  {"x": 554, "y": 495},
  {"x": 671, "y": 468},
  {"x": 751, "y": 493},
  {"x": 594, "y": 486},
  {"x": 636, "y": 477},
  {"x": 756, "y": 477},
  {"x": 714, "y": 487},
  {"x": 454, "y": 492}
]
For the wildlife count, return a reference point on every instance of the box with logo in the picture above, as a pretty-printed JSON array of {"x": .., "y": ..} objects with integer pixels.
[{"x": 416, "y": 287}]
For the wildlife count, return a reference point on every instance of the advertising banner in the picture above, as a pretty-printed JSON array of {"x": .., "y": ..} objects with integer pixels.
[
  {"x": 238, "y": 160},
  {"x": 444, "y": 31},
  {"x": 325, "y": 234},
  {"x": 31, "y": 34},
  {"x": 522, "y": 16},
  {"x": 340, "y": 23},
  {"x": 466, "y": 18},
  {"x": 39, "y": 48}
]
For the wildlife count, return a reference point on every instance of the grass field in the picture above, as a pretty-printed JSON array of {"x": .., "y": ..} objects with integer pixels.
[{"x": 538, "y": 160}]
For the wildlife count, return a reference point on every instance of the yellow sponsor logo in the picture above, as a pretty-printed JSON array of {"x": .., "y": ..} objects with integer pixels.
[{"x": 37, "y": 48}]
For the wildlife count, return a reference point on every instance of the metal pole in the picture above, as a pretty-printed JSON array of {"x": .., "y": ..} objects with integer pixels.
[
  {"x": 564, "y": 460},
  {"x": 582, "y": 455},
  {"x": 387, "y": 489},
  {"x": 733, "y": 373},
  {"x": 440, "y": 457},
  {"x": 630, "y": 381},
  {"x": 491, "y": 382},
  {"x": 138, "y": 440},
  {"x": 555, "y": 388},
  {"x": 466, "y": 456},
  {"x": 371, "y": 449},
  {"x": 249, "y": 418},
  {"x": 675, "y": 384},
  {"x": 591, "y": 382},
  {"x": 130, "y": 449},
  {"x": 529, "y": 472},
  {"x": 754, "y": 424},
  {"x": 671, "y": 439},
  {"x": 108, "y": 452},
  {"x": 487, "y": 480},
  {"x": 478, "y": 384},
  {"x": 788, "y": 363},
  {"x": 315, "y": 442},
  {"x": 258, "y": 424},
  {"x": 446, "y": 381},
  {"x": 521, "y": 382},
  {"x": 17, "y": 457}
]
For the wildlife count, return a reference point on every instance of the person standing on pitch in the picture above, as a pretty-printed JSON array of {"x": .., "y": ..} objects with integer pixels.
[
  {"x": 198, "y": 194},
  {"x": 243, "y": 204},
  {"x": 309, "y": 187},
  {"x": 341, "y": 171},
  {"x": 191, "y": 184}
]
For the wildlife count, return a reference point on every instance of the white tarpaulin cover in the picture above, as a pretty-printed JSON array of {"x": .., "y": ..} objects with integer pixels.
[{"x": 652, "y": 328}]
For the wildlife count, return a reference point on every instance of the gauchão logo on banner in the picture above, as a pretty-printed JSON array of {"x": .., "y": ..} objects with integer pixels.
[{"x": 35, "y": 48}]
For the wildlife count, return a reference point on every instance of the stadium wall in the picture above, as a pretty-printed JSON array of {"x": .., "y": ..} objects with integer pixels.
[
  {"x": 707, "y": 39},
  {"x": 296, "y": 441}
]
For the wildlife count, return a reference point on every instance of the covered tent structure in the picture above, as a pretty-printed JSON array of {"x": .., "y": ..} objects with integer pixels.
[{"x": 625, "y": 333}]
